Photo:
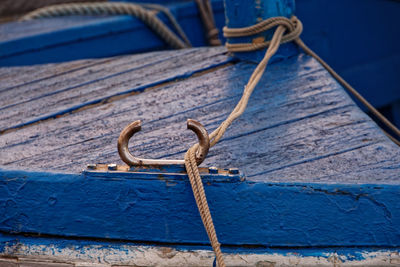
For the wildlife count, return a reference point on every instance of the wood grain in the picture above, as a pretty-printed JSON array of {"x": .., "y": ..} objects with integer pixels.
[
  {"x": 299, "y": 125},
  {"x": 50, "y": 97}
]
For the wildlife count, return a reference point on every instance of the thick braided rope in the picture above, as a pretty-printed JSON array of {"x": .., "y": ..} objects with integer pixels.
[
  {"x": 201, "y": 201},
  {"x": 114, "y": 8},
  {"x": 190, "y": 160},
  {"x": 255, "y": 77},
  {"x": 293, "y": 27}
]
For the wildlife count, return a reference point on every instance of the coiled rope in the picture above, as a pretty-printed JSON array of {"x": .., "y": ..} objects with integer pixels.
[
  {"x": 119, "y": 8},
  {"x": 286, "y": 30}
]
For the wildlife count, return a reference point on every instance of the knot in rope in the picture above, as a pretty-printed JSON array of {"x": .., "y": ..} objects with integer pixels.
[{"x": 293, "y": 29}]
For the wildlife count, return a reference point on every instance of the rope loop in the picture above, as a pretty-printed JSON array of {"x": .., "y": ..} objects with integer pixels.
[{"x": 293, "y": 29}]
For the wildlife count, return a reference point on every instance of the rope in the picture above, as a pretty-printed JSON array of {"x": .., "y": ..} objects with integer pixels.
[
  {"x": 201, "y": 201},
  {"x": 293, "y": 27},
  {"x": 216, "y": 135},
  {"x": 117, "y": 8},
  {"x": 354, "y": 92},
  {"x": 273, "y": 45},
  {"x": 171, "y": 18},
  {"x": 207, "y": 18}
]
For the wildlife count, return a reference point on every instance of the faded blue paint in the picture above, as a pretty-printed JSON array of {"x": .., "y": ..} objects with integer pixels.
[
  {"x": 245, "y": 13},
  {"x": 80, "y": 245},
  {"x": 163, "y": 210}
]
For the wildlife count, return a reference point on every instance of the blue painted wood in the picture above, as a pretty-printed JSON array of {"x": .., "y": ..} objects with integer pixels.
[
  {"x": 319, "y": 172},
  {"x": 245, "y": 13},
  {"x": 86, "y": 248},
  {"x": 396, "y": 112},
  {"x": 369, "y": 59},
  {"x": 166, "y": 2},
  {"x": 357, "y": 59},
  {"x": 361, "y": 45},
  {"x": 244, "y": 213},
  {"x": 61, "y": 39}
]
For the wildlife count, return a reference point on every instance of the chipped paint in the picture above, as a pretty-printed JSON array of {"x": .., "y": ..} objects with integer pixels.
[
  {"x": 136, "y": 255},
  {"x": 261, "y": 213}
]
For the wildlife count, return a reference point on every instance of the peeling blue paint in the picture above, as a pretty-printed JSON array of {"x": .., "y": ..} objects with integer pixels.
[
  {"x": 8, "y": 241},
  {"x": 244, "y": 212}
]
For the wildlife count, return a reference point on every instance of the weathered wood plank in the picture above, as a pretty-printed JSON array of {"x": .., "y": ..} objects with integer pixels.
[
  {"x": 163, "y": 210},
  {"x": 319, "y": 171},
  {"x": 83, "y": 253},
  {"x": 81, "y": 76},
  {"x": 176, "y": 99},
  {"x": 297, "y": 116},
  {"x": 52, "y": 97},
  {"x": 38, "y": 74},
  {"x": 355, "y": 60}
]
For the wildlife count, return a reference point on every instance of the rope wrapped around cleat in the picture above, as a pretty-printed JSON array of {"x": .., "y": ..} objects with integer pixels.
[{"x": 286, "y": 30}]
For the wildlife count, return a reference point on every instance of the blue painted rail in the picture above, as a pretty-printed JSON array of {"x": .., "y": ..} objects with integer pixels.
[
  {"x": 77, "y": 37},
  {"x": 319, "y": 172}
]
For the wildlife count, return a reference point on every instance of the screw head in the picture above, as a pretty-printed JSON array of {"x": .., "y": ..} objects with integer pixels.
[
  {"x": 233, "y": 171},
  {"x": 112, "y": 167},
  {"x": 213, "y": 170},
  {"x": 91, "y": 166}
]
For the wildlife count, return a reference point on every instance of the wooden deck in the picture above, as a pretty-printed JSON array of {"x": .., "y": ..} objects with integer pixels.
[
  {"x": 319, "y": 172},
  {"x": 299, "y": 126},
  {"x": 369, "y": 58}
]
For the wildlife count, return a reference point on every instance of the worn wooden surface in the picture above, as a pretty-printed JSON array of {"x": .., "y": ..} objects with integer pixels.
[
  {"x": 319, "y": 172},
  {"x": 101, "y": 254},
  {"x": 299, "y": 126},
  {"x": 361, "y": 46},
  {"x": 102, "y": 80}
]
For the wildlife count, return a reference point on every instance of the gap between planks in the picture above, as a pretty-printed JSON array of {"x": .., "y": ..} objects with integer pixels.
[{"x": 121, "y": 96}]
